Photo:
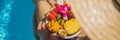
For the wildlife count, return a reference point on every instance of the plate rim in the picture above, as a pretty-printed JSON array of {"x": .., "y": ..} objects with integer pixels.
[{"x": 74, "y": 35}]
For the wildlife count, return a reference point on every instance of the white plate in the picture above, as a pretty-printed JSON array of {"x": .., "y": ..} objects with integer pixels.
[
  {"x": 74, "y": 35},
  {"x": 71, "y": 36}
]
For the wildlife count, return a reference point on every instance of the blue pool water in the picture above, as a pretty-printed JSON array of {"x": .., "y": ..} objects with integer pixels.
[{"x": 16, "y": 20}]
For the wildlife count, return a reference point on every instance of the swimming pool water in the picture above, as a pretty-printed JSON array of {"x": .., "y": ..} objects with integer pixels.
[{"x": 16, "y": 20}]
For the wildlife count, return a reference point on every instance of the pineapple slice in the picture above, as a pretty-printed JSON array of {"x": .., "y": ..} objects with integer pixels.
[{"x": 72, "y": 26}]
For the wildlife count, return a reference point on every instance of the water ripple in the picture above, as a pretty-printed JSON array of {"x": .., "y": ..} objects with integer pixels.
[{"x": 6, "y": 9}]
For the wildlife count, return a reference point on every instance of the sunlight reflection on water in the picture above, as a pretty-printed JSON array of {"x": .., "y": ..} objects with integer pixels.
[{"x": 5, "y": 11}]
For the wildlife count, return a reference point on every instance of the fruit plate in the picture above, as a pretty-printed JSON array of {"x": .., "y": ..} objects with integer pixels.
[
  {"x": 69, "y": 36},
  {"x": 60, "y": 20}
]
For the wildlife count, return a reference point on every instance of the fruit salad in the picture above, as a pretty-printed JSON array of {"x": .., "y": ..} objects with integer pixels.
[{"x": 62, "y": 21}]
